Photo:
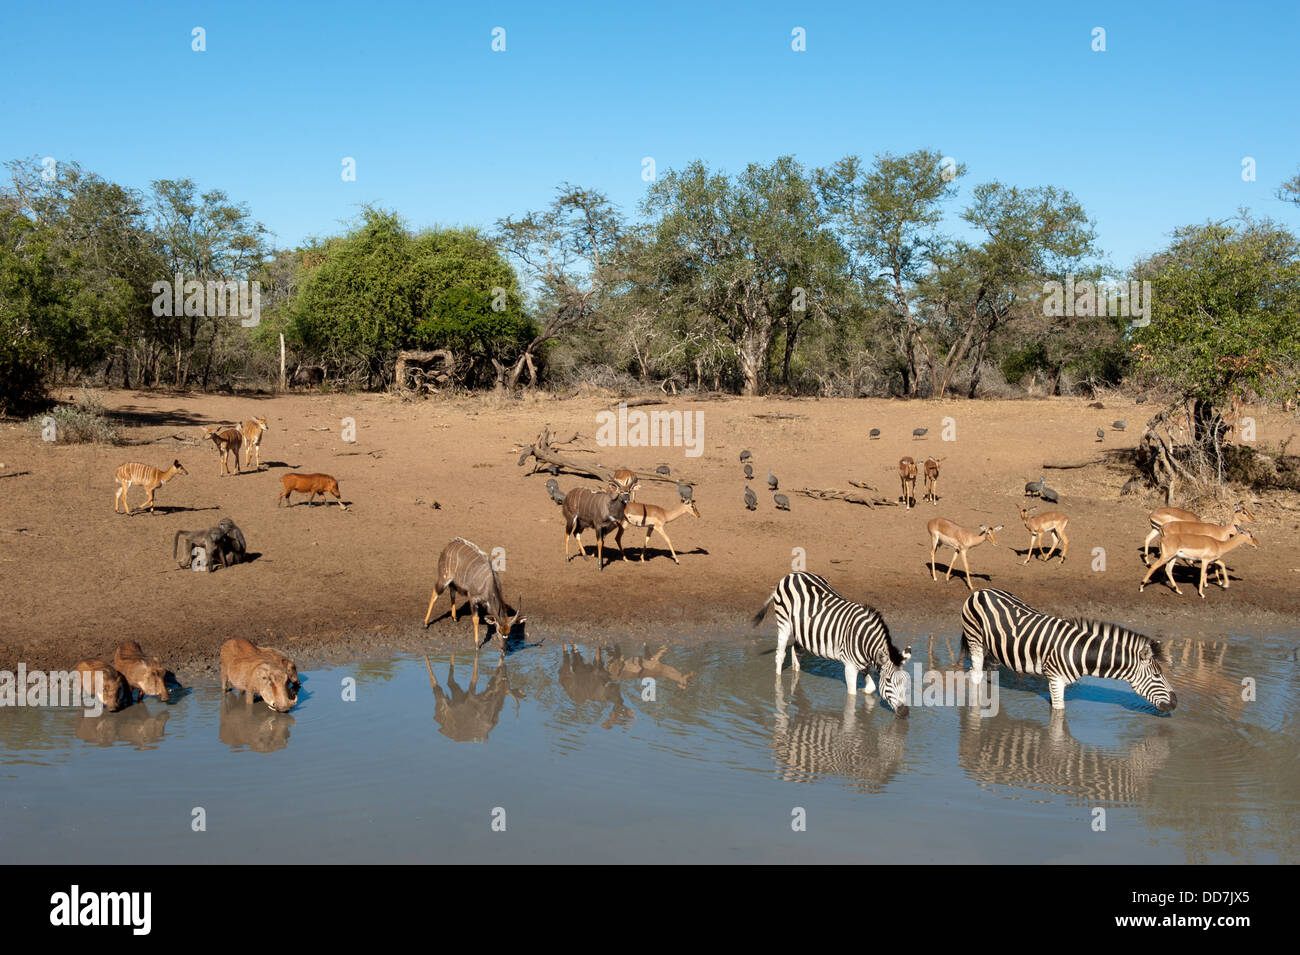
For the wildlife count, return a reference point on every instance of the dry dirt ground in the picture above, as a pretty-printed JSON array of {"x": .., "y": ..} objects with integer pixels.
[{"x": 330, "y": 584}]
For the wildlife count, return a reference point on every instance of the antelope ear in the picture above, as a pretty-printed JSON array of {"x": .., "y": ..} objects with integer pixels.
[
  {"x": 998, "y": 528},
  {"x": 983, "y": 528}
]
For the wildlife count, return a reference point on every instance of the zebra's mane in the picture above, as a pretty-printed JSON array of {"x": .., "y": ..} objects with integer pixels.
[
  {"x": 1100, "y": 628},
  {"x": 895, "y": 655}
]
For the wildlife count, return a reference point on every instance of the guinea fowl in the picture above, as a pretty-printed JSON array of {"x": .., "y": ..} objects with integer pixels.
[
  {"x": 771, "y": 480},
  {"x": 781, "y": 501},
  {"x": 1035, "y": 487},
  {"x": 745, "y": 456},
  {"x": 1048, "y": 495},
  {"x": 920, "y": 432},
  {"x": 749, "y": 472},
  {"x": 1120, "y": 425},
  {"x": 873, "y": 433},
  {"x": 751, "y": 499},
  {"x": 1101, "y": 435},
  {"x": 662, "y": 469},
  {"x": 556, "y": 494},
  {"x": 684, "y": 491}
]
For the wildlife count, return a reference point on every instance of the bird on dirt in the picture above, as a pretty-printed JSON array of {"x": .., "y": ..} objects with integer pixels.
[
  {"x": 771, "y": 479},
  {"x": 1034, "y": 488},
  {"x": 683, "y": 491},
  {"x": 920, "y": 432},
  {"x": 662, "y": 469},
  {"x": 873, "y": 433},
  {"x": 554, "y": 469},
  {"x": 556, "y": 495},
  {"x": 781, "y": 501},
  {"x": 1141, "y": 399},
  {"x": 552, "y": 484},
  {"x": 749, "y": 472},
  {"x": 1101, "y": 435},
  {"x": 1050, "y": 496},
  {"x": 1119, "y": 425},
  {"x": 745, "y": 456},
  {"x": 1131, "y": 487},
  {"x": 751, "y": 499}
]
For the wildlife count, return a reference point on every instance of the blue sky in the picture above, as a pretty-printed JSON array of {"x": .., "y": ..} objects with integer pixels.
[{"x": 1149, "y": 134}]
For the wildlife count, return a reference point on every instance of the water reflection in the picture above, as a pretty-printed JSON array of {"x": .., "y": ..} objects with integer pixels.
[
  {"x": 813, "y": 743},
  {"x": 134, "y": 725},
  {"x": 466, "y": 715},
  {"x": 1027, "y": 754},
  {"x": 256, "y": 727},
  {"x": 590, "y": 682}
]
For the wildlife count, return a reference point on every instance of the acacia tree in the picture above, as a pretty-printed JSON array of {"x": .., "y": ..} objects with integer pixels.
[
  {"x": 734, "y": 251},
  {"x": 569, "y": 256},
  {"x": 1032, "y": 235},
  {"x": 204, "y": 237},
  {"x": 1225, "y": 299},
  {"x": 888, "y": 216}
]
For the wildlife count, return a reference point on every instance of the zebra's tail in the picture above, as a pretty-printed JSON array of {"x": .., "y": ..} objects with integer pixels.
[{"x": 758, "y": 617}]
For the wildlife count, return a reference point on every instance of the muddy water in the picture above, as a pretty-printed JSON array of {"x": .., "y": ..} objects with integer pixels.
[{"x": 559, "y": 756}]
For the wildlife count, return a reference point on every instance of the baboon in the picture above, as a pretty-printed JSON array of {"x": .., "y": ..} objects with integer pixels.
[
  {"x": 234, "y": 549},
  {"x": 209, "y": 540},
  {"x": 224, "y": 543}
]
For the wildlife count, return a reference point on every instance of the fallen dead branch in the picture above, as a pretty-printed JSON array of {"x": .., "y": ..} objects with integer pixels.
[
  {"x": 834, "y": 494},
  {"x": 543, "y": 453},
  {"x": 1071, "y": 465}
]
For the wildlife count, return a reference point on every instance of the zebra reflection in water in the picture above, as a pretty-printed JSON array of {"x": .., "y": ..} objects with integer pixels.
[
  {"x": 808, "y": 744},
  {"x": 1023, "y": 753}
]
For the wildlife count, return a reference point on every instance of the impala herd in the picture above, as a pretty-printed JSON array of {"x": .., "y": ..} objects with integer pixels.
[{"x": 1180, "y": 534}]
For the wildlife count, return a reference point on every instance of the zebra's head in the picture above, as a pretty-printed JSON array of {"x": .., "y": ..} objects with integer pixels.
[
  {"x": 893, "y": 681},
  {"x": 1149, "y": 679}
]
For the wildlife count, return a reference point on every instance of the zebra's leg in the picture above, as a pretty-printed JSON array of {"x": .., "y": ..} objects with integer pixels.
[
  {"x": 1056, "y": 686},
  {"x": 782, "y": 639},
  {"x": 851, "y": 678},
  {"x": 869, "y": 686},
  {"x": 976, "y": 660}
]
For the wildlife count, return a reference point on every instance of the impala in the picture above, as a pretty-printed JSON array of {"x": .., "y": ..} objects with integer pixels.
[
  {"x": 1040, "y": 525},
  {"x": 946, "y": 533},
  {"x": 1193, "y": 547}
]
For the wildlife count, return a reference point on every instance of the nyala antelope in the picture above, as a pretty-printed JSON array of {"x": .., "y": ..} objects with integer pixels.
[
  {"x": 251, "y": 431},
  {"x": 150, "y": 478},
  {"x": 226, "y": 440},
  {"x": 462, "y": 566},
  {"x": 652, "y": 518}
]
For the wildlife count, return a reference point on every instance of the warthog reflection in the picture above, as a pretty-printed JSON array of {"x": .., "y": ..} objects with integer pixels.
[
  {"x": 809, "y": 744},
  {"x": 466, "y": 715},
  {"x": 134, "y": 725},
  {"x": 258, "y": 728}
]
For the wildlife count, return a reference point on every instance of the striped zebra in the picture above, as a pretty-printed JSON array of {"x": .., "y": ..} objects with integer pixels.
[
  {"x": 1003, "y": 627},
  {"x": 809, "y": 611}
]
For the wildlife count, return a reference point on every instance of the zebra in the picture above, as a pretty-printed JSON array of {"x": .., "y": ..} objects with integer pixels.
[
  {"x": 1003, "y": 627},
  {"x": 809, "y": 611}
]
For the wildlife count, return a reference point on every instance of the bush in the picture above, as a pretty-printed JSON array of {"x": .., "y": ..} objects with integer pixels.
[{"x": 86, "y": 421}]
